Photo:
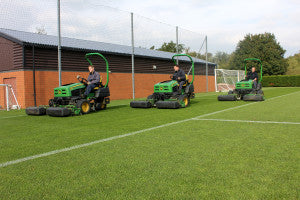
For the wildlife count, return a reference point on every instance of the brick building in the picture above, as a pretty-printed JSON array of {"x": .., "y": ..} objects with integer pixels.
[{"x": 24, "y": 54}]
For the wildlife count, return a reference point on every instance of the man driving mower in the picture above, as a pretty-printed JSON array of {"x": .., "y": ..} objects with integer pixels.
[
  {"x": 179, "y": 76},
  {"x": 253, "y": 76},
  {"x": 92, "y": 80}
]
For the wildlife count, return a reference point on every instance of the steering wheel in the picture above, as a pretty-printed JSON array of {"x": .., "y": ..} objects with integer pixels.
[{"x": 82, "y": 80}]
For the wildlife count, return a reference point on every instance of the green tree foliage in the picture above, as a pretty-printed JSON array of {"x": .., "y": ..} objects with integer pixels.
[
  {"x": 294, "y": 64},
  {"x": 170, "y": 47},
  {"x": 262, "y": 46}
]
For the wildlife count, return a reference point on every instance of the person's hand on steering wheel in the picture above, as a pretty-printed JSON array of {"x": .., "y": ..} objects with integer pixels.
[{"x": 82, "y": 80}]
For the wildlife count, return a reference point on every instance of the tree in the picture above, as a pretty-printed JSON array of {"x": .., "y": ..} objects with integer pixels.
[
  {"x": 171, "y": 47},
  {"x": 294, "y": 64},
  {"x": 266, "y": 48},
  {"x": 222, "y": 59}
]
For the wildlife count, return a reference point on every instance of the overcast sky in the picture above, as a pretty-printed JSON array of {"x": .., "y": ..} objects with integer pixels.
[{"x": 225, "y": 22}]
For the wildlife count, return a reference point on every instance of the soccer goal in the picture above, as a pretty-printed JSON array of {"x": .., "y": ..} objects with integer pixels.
[
  {"x": 8, "y": 99},
  {"x": 225, "y": 79}
]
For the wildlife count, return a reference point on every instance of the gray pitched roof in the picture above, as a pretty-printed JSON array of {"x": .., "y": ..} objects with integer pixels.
[{"x": 50, "y": 40}]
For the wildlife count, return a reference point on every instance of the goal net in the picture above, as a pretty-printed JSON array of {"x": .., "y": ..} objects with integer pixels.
[
  {"x": 8, "y": 99},
  {"x": 225, "y": 79}
]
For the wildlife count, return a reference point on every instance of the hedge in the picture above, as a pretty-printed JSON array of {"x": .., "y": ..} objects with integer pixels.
[{"x": 281, "y": 81}]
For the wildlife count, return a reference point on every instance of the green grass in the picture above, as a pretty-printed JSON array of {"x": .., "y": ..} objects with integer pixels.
[{"x": 190, "y": 160}]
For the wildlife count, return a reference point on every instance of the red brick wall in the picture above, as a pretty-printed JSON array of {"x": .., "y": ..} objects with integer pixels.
[
  {"x": 120, "y": 84},
  {"x": 20, "y": 86}
]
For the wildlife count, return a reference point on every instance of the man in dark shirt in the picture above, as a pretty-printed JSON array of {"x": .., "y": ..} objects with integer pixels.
[
  {"x": 93, "y": 80},
  {"x": 253, "y": 76},
  {"x": 179, "y": 76}
]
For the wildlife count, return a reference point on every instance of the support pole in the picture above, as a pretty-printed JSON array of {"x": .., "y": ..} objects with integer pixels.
[
  {"x": 33, "y": 74},
  {"x": 177, "y": 47},
  {"x": 206, "y": 64},
  {"x": 7, "y": 98},
  {"x": 132, "y": 58},
  {"x": 59, "y": 42},
  {"x": 216, "y": 84}
]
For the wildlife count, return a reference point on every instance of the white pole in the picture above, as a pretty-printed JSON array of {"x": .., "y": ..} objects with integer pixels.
[
  {"x": 7, "y": 98},
  {"x": 177, "y": 47},
  {"x": 12, "y": 91},
  {"x": 59, "y": 42},
  {"x": 206, "y": 68},
  {"x": 216, "y": 86},
  {"x": 132, "y": 57}
]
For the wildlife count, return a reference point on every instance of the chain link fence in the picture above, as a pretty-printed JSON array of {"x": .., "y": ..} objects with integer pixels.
[{"x": 91, "y": 22}]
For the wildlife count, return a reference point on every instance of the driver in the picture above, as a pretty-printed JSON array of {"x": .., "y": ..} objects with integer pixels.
[
  {"x": 253, "y": 76},
  {"x": 179, "y": 76},
  {"x": 93, "y": 80}
]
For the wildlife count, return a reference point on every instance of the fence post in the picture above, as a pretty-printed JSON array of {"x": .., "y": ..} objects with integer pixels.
[
  {"x": 7, "y": 98},
  {"x": 206, "y": 64},
  {"x": 132, "y": 57},
  {"x": 216, "y": 85},
  {"x": 59, "y": 42},
  {"x": 177, "y": 47}
]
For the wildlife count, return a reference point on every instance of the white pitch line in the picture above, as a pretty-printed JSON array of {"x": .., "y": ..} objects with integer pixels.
[
  {"x": 119, "y": 136},
  {"x": 248, "y": 121},
  {"x": 12, "y": 116}
]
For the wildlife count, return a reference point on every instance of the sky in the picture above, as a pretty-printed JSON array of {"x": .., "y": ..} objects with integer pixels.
[{"x": 225, "y": 22}]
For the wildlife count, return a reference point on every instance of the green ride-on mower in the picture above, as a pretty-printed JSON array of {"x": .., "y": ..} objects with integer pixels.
[
  {"x": 69, "y": 99},
  {"x": 245, "y": 90},
  {"x": 166, "y": 94}
]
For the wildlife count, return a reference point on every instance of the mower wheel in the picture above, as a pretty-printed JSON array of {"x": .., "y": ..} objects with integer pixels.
[
  {"x": 100, "y": 106},
  {"x": 227, "y": 98},
  {"x": 140, "y": 104},
  {"x": 253, "y": 98},
  {"x": 84, "y": 105},
  {"x": 35, "y": 111},
  {"x": 260, "y": 92},
  {"x": 150, "y": 97},
  {"x": 58, "y": 112},
  {"x": 185, "y": 99},
  {"x": 167, "y": 104}
]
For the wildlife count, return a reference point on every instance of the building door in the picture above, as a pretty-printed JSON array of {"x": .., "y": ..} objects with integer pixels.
[{"x": 13, "y": 82}]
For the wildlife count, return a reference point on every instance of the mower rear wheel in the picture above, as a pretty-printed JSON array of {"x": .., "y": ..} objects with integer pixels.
[
  {"x": 100, "y": 106},
  {"x": 84, "y": 105},
  {"x": 150, "y": 97},
  {"x": 185, "y": 99}
]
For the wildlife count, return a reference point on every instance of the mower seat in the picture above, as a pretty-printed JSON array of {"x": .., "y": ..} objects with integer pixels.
[
  {"x": 186, "y": 81},
  {"x": 99, "y": 85}
]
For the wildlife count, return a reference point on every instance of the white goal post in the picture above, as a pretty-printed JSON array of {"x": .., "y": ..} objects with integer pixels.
[
  {"x": 8, "y": 99},
  {"x": 225, "y": 79}
]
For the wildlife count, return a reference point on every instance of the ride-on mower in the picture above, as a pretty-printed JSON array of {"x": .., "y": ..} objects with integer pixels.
[
  {"x": 166, "y": 94},
  {"x": 244, "y": 90},
  {"x": 69, "y": 99}
]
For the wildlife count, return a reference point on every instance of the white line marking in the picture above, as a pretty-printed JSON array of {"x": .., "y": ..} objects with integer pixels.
[
  {"x": 12, "y": 116},
  {"x": 119, "y": 136},
  {"x": 248, "y": 121}
]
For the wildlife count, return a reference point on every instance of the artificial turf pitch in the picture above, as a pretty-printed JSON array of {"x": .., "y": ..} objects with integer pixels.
[{"x": 199, "y": 156}]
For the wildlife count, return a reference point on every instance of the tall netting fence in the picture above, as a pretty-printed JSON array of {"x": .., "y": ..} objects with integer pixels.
[{"x": 88, "y": 26}]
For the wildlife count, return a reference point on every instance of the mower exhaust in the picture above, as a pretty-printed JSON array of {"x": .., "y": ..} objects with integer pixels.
[{"x": 140, "y": 104}]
